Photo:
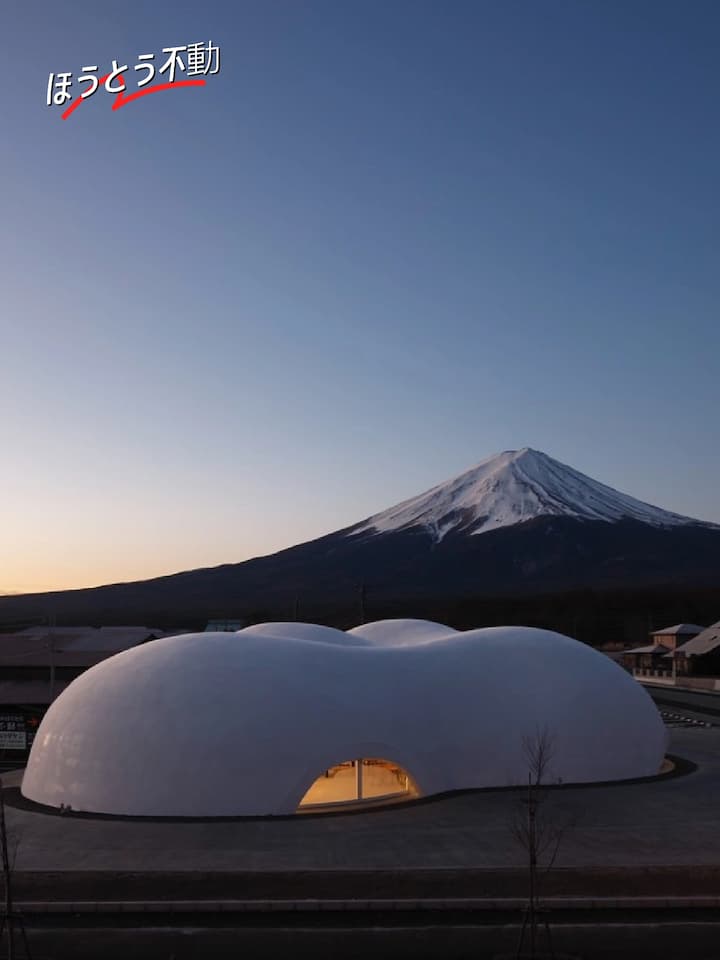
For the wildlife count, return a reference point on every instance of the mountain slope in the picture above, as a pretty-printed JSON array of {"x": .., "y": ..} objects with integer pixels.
[
  {"x": 517, "y": 524},
  {"x": 514, "y": 487}
]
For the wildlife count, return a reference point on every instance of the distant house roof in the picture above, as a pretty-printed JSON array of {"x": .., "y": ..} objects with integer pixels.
[
  {"x": 679, "y": 630},
  {"x": 225, "y": 626},
  {"x": 34, "y": 693},
  {"x": 655, "y": 648},
  {"x": 703, "y": 643},
  {"x": 71, "y": 646},
  {"x": 615, "y": 654}
]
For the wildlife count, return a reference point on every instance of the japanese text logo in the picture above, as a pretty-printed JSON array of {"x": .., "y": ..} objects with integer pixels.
[{"x": 193, "y": 60}]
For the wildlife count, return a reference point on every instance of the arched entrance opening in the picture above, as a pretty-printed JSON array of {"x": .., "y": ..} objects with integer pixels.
[{"x": 365, "y": 780}]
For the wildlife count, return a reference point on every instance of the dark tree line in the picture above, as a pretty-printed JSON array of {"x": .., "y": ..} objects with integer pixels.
[{"x": 593, "y": 616}]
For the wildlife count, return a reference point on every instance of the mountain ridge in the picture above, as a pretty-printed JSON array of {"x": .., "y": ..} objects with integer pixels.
[
  {"x": 512, "y": 487},
  {"x": 543, "y": 525}
]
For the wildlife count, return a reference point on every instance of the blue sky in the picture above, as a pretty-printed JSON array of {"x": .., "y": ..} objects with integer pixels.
[{"x": 387, "y": 240}]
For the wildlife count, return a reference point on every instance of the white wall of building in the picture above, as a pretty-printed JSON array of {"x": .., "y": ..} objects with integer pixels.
[{"x": 214, "y": 724}]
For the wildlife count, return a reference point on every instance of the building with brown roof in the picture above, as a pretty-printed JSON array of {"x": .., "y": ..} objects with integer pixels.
[
  {"x": 39, "y": 662},
  {"x": 699, "y": 656}
]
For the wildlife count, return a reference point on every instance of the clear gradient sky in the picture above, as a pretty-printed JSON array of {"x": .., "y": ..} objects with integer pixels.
[{"x": 389, "y": 239}]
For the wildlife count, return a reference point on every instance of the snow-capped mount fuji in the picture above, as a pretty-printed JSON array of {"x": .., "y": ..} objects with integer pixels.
[
  {"x": 511, "y": 488},
  {"x": 517, "y": 524}
]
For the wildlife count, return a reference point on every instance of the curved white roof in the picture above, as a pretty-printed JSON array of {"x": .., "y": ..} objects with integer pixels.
[{"x": 214, "y": 724}]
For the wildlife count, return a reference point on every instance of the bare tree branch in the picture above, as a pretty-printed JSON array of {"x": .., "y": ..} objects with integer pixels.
[{"x": 537, "y": 832}]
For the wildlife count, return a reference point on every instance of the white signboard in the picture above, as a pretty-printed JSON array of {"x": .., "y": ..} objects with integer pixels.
[
  {"x": 12, "y": 732},
  {"x": 12, "y": 740}
]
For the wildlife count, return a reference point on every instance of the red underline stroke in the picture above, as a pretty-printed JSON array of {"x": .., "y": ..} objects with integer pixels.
[{"x": 121, "y": 99}]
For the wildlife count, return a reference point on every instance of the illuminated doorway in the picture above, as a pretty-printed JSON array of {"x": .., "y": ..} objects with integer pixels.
[{"x": 358, "y": 781}]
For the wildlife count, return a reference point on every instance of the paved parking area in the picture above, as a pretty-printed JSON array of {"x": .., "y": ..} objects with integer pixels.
[{"x": 666, "y": 822}]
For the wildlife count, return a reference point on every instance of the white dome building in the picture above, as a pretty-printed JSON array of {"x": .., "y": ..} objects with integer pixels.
[{"x": 281, "y": 715}]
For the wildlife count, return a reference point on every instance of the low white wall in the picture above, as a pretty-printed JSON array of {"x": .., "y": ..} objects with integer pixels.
[{"x": 691, "y": 684}]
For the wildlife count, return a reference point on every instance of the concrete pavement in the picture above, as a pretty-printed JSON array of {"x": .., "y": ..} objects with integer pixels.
[{"x": 665, "y": 822}]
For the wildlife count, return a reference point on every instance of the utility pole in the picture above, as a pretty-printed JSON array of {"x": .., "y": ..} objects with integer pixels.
[
  {"x": 9, "y": 918},
  {"x": 51, "y": 637}
]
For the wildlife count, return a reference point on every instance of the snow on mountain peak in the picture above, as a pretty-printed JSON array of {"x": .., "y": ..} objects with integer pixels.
[{"x": 513, "y": 487}]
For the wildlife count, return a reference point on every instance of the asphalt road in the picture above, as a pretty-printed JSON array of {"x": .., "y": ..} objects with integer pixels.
[
  {"x": 701, "y": 705},
  {"x": 651, "y": 938}
]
